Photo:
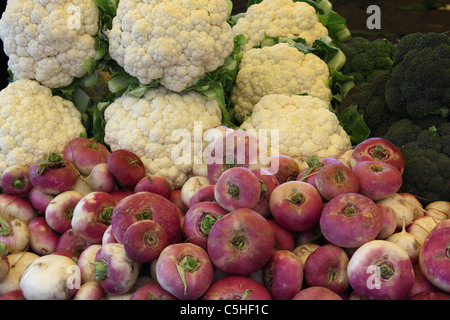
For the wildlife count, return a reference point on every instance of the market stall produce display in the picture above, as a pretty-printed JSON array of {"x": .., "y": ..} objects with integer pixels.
[{"x": 186, "y": 150}]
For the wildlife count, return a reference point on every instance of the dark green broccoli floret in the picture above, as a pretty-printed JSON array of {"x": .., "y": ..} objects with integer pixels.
[
  {"x": 366, "y": 58},
  {"x": 402, "y": 132},
  {"x": 420, "y": 76}
]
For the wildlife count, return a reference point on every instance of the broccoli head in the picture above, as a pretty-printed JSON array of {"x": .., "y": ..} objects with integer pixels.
[
  {"x": 420, "y": 75},
  {"x": 365, "y": 58}
]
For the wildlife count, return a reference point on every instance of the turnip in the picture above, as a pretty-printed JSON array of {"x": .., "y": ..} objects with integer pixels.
[
  {"x": 434, "y": 258},
  {"x": 52, "y": 174},
  {"x": 82, "y": 186},
  {"x": 175, "y": 197},
  {"x": 14, "y": 235},
  {"x": 237, "y": 188},
  {"x": 92, "y": 215},
  {"x": 405, "y": 206},
  {"x": 441, "y": 224},
  {"x": 50, "y": 277},
  {"x": 284, "y": 239},
  {"x": 409, "y": 242},
  {"x": 15, "y": 180},
  {"x": 39, "y": 199},
  {"x": 4, "y": 262},
  {"x": 119, "y": 194},
  {"x": 205, "y": 193},
  {"x": 86, "y": 263},
  {"x": 152, "y": 291},
  {"x": 198, "y": 221},
  {"x": 309, "y": 173},
  {"x": 345, "y": 157},
  {"x": 14, "y": 207},
  {"x": 378, "y": 149},
  {"x": 288, "y": 168},
  {"x": 144, "y": 240},
  {"x": 91, "y": 290},
  {"x": 336, "y": 178},
  {"x": 43, "y": 240},
  {"x": 236, "y": 287},
  {"x": 72, "y": 241},
  {"x": 18, "y": 262},
  {"x": 190, "y": 187},
  {"x": 296, "y": 205},
  {"x": 431, "y": 296},
  {"x": 241, "y": 242},
  {"x": 438, "y": 209},
  {"x": 114, "y": 270},
  {"x": 85, "y": 154},
  {"x": 420, "y": 227},
  {"x": 13, "y": 295},
  {"x": 302, "y": 251},
  {"x": 108, "y": 236},
  {"x": 377, "y": 180},
  {"x": 126, "y": 166},
  {"x": 350, "y": 220},
  {"x": 184, "y": 270},
  {"x": 268, "y": 182},
  {"x": 154, "y": 183},
  {"x": 101, "y": 179},
  {"x": 145, "y": 206},
  {"x": 283, "y": 275},
  {"x": 316, "y": 293},
  {"x": 59, "y": 211},
  {"x": 421, "y": 283},
  {"x": 381, "y": 270},
  {"x": 389, "y": 221}
]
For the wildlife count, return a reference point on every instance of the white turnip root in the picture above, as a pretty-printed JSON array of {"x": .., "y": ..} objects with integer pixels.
[
  {"x": 91, "y": 290},
  {"x": 82, "y": 186},
  {"x": 15, "y": 180},
  {"x": 101, "y": 179},
  {"x": 14, "y": 234},
  {"x": 43, "y": 240},
  {"x": 18, "y": 262},
  {"x": 50, "y": 277},
  {"x": 302, "y": 251},
  {"x": 86, "y": 263},
  {"x": 406, "y": 207},
  {"x": 389, "y": 222},
  {"x": 409, "y": 242},
  {"x": 438, "y": 209},
  {"x": 59, "y": 211},
  {"x": 114, "y": 270},
  {"x": 422, "y": 226},
  {"x": 15, "y": 207}
]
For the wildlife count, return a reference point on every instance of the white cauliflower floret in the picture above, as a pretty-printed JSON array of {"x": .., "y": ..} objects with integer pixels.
[
  {"x": 48, "y": 40},
  {"x": 305, "y": 126},
  {"x": 153, "y": 125},
  {"x": 175, "y": 41},
  {"x": 34, "y": 122},
  {"x": 278, "y": 69},
  {"x": 279, "y": 18}
]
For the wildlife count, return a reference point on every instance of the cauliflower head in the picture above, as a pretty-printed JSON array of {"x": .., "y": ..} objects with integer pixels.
[
  {"x": 175, "y": 41},
  {"x": 153, "y": 125},
  {"x": 278, "y": 69},
  {"x": 34, "y": 122},
  {"x": 279, "y": 18},
  {"x": 305, "y": 126},
  {"x": 48, "y": 40}
]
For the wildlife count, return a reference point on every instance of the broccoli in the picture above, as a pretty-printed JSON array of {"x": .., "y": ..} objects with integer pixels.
[
  {"x": 420, "y": 76},
  {"x": 366, "y": 58}
]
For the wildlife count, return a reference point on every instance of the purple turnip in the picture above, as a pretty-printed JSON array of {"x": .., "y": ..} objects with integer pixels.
[
  {"x": 236, "y": 287},
  {"x": 50, "y": 277},
  {"x": 377, "y": 180},
  {"x": 86, "y": 262},
  {"x": 205, "y": 193},
  {"x": 284, "y": 239},
  {"x": 184, "y": 270},
  {"x": 119, "y": 194},
  {"x": 296, "y": 205},
  {"x": 91, "y": 290},
  {"x": 144, "y": 240},
  {"x": 190, "y": 187},
  {"x": 52, "y": 174},
  {"x": 316, "y": 293},
  {"x": 198, "y": 221},
  {"x": 114, "y": 270},
  {"x": 154, "y": 183},
  {"x": 327, "y": 267},
  {"x": 145, "y": 206},
  {"x": 108, "y": 236},
  {"x": 434, "y": 258},
  {"x": 100, "y": 179},
  {"x": 72, "y": 241},
  {"x": 175, "y": 197},
  {"x": 39, "y": 199},
  {"x": 152, "y": 291},
  {"x": 283, "y": 275},
  {"x": 13, "y": 295},
  {"x": 14, "y": 207},
  {"x": 43, "y": 240},
  {"x": 126, "y": 166},
  {"x": 14, "y": 235},
  {"x": 388, "y": 222},
  {"x": 350, "y": 220},
  {"x": 92, "y": 215},
  {"x": 381, "y": 270},
  {"x": 59, "y": 211},
  {"x": 18, "y": 262},
  {"x": 268, "y": 182},
  {"x": 241, "y": 242},
  {"x": 433, "y": 295},
  {"x": 421, "y": 283},
  {"x": 336, "y": 178},
  {"x": 15, "y": 180},
  {"x": 288, "y": 168},
  {"x": 314, "y": 165}
]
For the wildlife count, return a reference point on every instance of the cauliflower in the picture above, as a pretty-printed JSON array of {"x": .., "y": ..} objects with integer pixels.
[
  {"x": 149, "y": 126},
  {"x": 34, "y": 122},
  {"x": 306, "y": 127},
  {"x": 175, "y": 41},
  {"x": 278, "y": 69},
  {"x": 48, "y": 41},
  {"x": 279, "y": 18}
]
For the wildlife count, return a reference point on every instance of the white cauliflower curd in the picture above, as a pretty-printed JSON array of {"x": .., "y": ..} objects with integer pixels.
[
  {"x": 48, "y": 40},
  {"x": 154, "y": 125},
  {"x": 176, "y": 41},
  {"x": 34, "y": 122}
]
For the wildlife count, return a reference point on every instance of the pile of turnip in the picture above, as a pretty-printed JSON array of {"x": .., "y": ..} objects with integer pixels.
[{"x": 91, "y": 224}]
